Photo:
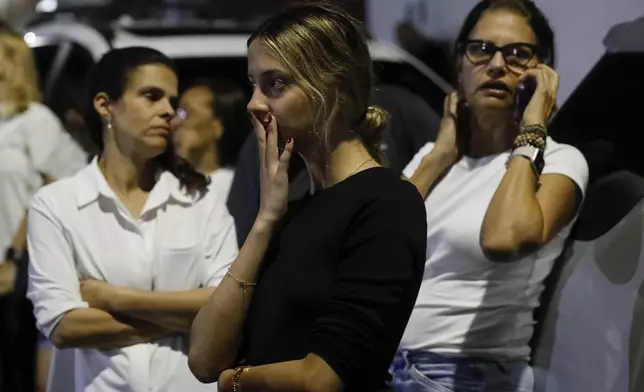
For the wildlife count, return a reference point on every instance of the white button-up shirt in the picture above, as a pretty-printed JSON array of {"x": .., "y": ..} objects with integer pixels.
[
  {"x": 78, "y": 229},
  {"x": 32, "y": 143},
  {"x": 222, "y": 179}
]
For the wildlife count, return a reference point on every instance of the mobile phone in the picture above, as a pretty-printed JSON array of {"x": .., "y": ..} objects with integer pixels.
[
  {"x": 524, "y": 94},
  {"x": 463, "y": 129}
]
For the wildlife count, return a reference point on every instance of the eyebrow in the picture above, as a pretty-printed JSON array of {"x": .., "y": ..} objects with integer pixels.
[
  {"x": 174, "y": 99},
  {"x": 155, "y": 89},
  {"x": 268, "y": 72}
]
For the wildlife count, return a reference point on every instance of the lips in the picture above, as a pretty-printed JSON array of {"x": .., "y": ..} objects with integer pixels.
[
  {"x": 161, "y": 130},
  {"x": 495, "y": 85}
]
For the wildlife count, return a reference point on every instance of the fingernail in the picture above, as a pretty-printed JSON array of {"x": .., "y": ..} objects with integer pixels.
[
  {"x": 270, "y": 118},
  {"x": 290, "y": 139}
]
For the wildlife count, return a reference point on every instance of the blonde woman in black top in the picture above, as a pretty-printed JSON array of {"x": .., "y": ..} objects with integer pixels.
[{"x": 322, "y": 289}]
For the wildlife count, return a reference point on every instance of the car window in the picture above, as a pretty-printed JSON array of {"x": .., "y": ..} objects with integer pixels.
[{"x": 603, "y": 115}]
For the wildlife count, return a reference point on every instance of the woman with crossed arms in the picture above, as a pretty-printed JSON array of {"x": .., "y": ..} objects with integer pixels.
[{"x": 125, "y": 253}]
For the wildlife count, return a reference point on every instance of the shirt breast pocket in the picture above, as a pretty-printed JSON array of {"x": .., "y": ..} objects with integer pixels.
[{"x": 179, "y": 268}]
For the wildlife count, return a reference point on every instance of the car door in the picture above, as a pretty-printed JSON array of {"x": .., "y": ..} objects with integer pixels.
[{"x": 590, "y": 328}]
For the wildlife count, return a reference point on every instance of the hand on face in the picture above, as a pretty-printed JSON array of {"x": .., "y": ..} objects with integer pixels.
[
  {"x": 273, "y": 169},
  {"x": 502, "y": 53},
  {"x": 544, "y": 99}
]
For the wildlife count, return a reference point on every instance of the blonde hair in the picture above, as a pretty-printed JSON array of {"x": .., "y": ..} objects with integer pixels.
[
  {"x": 326, "y": 52},
  {"x": 23, "y": 86}
]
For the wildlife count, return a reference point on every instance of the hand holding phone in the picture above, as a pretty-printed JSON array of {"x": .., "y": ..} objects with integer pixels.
[
  {"x": 538, "y": 95},
  {"x": 524, "y": 94}
]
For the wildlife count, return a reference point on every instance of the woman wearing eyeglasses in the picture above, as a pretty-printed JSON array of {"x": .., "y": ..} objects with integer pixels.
[{"x": 501, "y": 197}]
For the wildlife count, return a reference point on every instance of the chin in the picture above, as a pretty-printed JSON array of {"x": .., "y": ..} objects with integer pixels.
[
  {"x": 491, "y": 103},
  {"x": 155, "y": 149}
]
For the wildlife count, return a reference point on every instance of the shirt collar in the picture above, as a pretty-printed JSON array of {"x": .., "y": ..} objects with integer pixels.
[{"x": 93, "y": 184}]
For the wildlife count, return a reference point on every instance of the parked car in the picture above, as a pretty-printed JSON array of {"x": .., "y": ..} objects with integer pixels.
[
  {"x": 67, "y": 44},
  {"x": 591, "y": 324}
]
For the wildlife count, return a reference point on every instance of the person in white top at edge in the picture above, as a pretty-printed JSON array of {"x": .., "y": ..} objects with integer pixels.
[
  {"x": 34, "y": 149},
  {"x": 125, "y": 253},
  {"x": 501, "y": 197},
  {"x": 212, "y": 125}
]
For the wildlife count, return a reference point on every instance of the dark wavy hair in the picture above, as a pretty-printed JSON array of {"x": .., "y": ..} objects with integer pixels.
[
  {"x": 526, "y": 8},
  {"x": 111, "y": 76}
]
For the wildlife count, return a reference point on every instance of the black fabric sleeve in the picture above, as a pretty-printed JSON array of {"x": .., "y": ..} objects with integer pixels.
[{"x": 374, "y": 288}]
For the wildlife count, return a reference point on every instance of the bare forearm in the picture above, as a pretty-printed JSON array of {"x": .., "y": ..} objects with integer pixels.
[
  {"x": 94, "y": 328},
  {"x": 172, "y": 310},
  {"x": 310, "y": 374},
  {"x": 432, "y": 168},
  {"x": 216, "y": 331},
  {"x": 513, "y": 222},
  {"x": 278, "y": 377}
]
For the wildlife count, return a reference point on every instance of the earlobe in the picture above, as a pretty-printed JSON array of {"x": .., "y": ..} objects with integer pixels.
[{"x": 102, "y": 104}]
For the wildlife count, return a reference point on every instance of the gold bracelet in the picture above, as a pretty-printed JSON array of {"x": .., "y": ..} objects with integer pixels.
[
  {"x": 242, "y": 285},
  {"x": 236, "y": 377}
]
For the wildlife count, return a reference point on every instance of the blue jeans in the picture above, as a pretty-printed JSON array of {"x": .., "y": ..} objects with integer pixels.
[{"x": 424, "y": 371}]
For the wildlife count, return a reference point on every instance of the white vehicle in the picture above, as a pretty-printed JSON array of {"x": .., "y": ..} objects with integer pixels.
[
  {"x": 591, "y": 324},
  {"x": 67, "y": 45}
]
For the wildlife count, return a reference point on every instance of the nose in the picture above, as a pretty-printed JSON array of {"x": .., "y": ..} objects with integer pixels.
[
  {"x": 168, "y": 109},
  {"x": 258, "y": 104},
  {"x": 497, "y": 66}
]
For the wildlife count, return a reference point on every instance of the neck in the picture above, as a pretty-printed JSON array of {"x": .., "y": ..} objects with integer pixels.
[
  {"x": 205, "y": 160},
  {"x": 126, "y": 174},
  {"x": 346, "y": 158},
  {"x": 491, "y": 134}
]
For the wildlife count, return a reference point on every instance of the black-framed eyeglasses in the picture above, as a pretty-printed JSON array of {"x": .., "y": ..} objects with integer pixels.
[{"x": 517, "y": 55}]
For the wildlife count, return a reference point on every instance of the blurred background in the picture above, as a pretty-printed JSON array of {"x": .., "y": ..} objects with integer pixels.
[
  {"x": 600, "y": 58},
  {"x": 580, "y": 25}
]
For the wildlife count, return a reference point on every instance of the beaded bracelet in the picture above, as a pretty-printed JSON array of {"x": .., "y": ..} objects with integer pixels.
[
  {"x": 535, "y": 128},
  {"x": 529, "y": 139},
  {"x": 534, "y": 135}
]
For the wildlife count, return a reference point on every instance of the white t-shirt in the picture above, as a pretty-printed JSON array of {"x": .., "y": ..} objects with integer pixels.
[
  {"x": 78, "y": 229},
  {"x": 468, "y": 305},
  {"x": 221, "y": 180},
  {"x": 31, "y": 143}
]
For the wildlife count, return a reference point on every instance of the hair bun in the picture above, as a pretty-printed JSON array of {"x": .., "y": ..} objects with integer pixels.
[{"x": 374, "y": 124}]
